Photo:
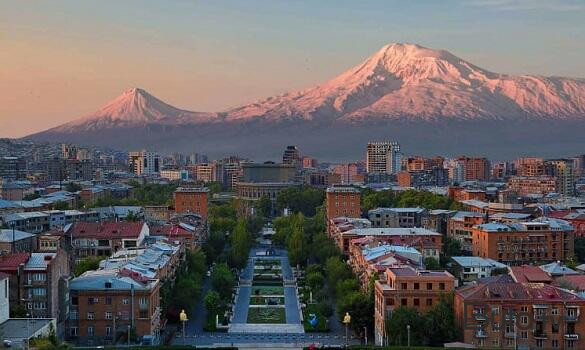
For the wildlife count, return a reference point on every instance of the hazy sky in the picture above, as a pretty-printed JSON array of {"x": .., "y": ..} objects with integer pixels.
[{"x": 60, "y": 60}]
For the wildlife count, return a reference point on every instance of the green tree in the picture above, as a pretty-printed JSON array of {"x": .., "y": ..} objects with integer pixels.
[
  {"x": 264, "y": 207},
  {"x": 88, "y": 264},
  {"x": 315, "y": 280},
  {"x": 322, "y": 248},
  {"x": 336, "y": 270},
  {"x": 60, "y": 205},
  {"x": 396, "y": 327},
  {"x": 73, "y": 187},
  {"x": 296, "y": 243},
  {"x": 187, "y": 291},
  {"x": 241, "y": 242},
  {"x": 359, "y": 307},
  {"x": 432, "y": 263},
  {"x": 300, "y": 200},
  {"x": 440, "y": 321},
  {"x": 580, "y": 249},
  {"x": 451, "y": 247},
  {"x": 222, "y": 281},
  {"x": 212, "y": 303},
  {"x": 31, "y": 196},
  {"x": 196, "y": 262}
]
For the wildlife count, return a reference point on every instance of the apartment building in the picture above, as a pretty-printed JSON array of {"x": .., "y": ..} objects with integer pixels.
[
  {"x": 525, "y": 185},
  {"x": 383, "y": 157},
  {"x": 543, "y": 240},
  {"x": 519, "y": 316},
  {"x": 398, "y": 217},
  {"x": 459, "y": 227},
  {"x": 144, "y": 162},
  {"x": 191, "y": 200},
  {"x": 408, "y": 287},
  {"x": 343, "y": 202}
]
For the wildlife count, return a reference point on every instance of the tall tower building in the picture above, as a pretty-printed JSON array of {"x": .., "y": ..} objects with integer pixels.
[
  {"x": 291, "y": 156},
  {"x": 143, "y": 162},
  {"x": 383, "y": 157},
  {"x": 562, "y": 170}
]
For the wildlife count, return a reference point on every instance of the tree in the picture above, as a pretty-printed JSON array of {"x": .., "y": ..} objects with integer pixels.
[
  {"x": 72, "y": 187},
  {"x": 264, "y": 207},
  {"x": 396, "y": 327},
  {"x": 342, "y": 287},
  {"x": 322, "y": 248},
  {"x": 61, "y": 205},
  {"x": 451, "y": 247},
  {"x": 440, "y": 322},
  {"x": 315, "y": 280},
  {"x": 296, "y": 243},
  {"x": 580, "y": 249},
  {"x": 336, "y": 270},
  {"x": 359, "y": 307},
  {"x": 196, "y": 262},
  {"x": 222, "y": 281},
  {"x": 212, "y": 302},
  {"x": 31, "y": 196},
  {"x": 241, "y": 243},
  {"x": 300, "y": 200},
  {"x": 88, "y": 264},
  {"x": 187, "y": 291},
  {"x": 214, "y": 245},
  {"x": 432, "y": 263}
]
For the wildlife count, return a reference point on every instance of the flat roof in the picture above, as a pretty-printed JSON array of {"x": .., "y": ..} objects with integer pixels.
[{"x": 392, "y": 231}]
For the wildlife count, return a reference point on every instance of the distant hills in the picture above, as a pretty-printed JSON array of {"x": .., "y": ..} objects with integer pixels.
[{"x": 429, "y": 100}]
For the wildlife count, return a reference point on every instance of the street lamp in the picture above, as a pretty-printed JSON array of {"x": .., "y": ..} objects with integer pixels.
[
  {"x": 183, "y": 318},
  {"x": 346, "y": 321},
  {"x": 408, "y": 334}
]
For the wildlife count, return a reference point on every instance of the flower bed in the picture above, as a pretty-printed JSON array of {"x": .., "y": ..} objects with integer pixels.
[
  {"x": 262, "y": 300},
  {"x": 266, "y": 315},
  {"x": 267, "y": 290}
]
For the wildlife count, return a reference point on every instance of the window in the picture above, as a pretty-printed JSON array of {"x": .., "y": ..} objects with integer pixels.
[
  {"x": 90, "y": 316},
  {"x": 73, "y": 331},
  {"x": 540, "y": 343},
  {"x": 441, "y": 286},
  {"x": 404, "y": 286},
  {"x": 143, "y": 314},
  {"x": 524, "y": 319},
  {"x": 524, "y": 309},
  {"x": 92, "y": 301},
  {"x": 429, "y": 286},
  {"x": 143, "y": 301},
  {"x": 108, "y": 330},
  {"x": 403, "y": 302},
  {"x": 125, "y": 301},
  {"x": 416, "y": 302},
  {"x": 495, "y": 310},
  {"x": 555, "y": 343},
  {"x": 429, "y": 302},
  {"x": 90, "y": 330},
  {"x": 108, "y": 315},
  {"x": 416, "y": 286},
  {"x": 108, "y": 300},
  {"x": 496, "y": 327},
  {"x": 554, "y": 327},
  {"x": 524, "y": 335},
  {"x": 73, "y": 315}
]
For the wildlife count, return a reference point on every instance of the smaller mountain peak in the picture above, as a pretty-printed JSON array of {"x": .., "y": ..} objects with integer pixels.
[{"x": 409, "y": 50}]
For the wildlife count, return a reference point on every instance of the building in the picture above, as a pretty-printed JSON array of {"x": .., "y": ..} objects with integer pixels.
[
  {"x": 409, "y": 287},
  {"x": 519, "y": 315},
  {"x": 397, "y": 217},
  {"x": 527, "y": 185},
  {"x": 525, "y": 242},
  {"x": 144, "y": 162},
  {"x": 530, "y": 166},
  {"x": 309, "y": 162},
  {"x": 13, "y": 265},
  {"x": 104, "y": 238},
  {"x": 191, "y": 200},
  {"x": 350, "y": 172},
  {"x": 343, "y": 202},
  {"x": 106, "y": 304},
  {"x": 4, "y": 297},
  {"x": 16, "y": 241},
  {"x": 434, "y": 177},
  {"x": 383, "y": 157},
  {"x": 575, "y": 217},
  {"x": 12, "y": 168},
  {"x": 291, "y": 156},
  {"x": 562, "y": 170},
  {"x": 174, "y": 174},
  {"x": 41, "y": 285},
  {"x": 474, "y": 169},
  {"x": 459, "y": 227},
  {"x": 473, "y": 268}
]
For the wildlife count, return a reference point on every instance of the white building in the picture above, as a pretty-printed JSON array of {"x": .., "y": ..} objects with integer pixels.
[
  {"x": 143, "y": 162},
  {"x": 383, "y": 157}
]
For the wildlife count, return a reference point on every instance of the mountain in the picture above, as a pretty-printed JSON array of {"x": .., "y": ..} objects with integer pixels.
[
  {"x": 429, "y": 100},
  {"x": 413, "y": 82},
  {"x": 134, "y": 108}
]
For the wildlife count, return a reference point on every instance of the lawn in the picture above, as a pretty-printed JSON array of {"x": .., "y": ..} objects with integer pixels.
[
  {"x": 266, "y": 315},
  {"x": 267, "y": 290},
  {"x": 322, "y": 325},
  {"x": 254, "y": 300}
]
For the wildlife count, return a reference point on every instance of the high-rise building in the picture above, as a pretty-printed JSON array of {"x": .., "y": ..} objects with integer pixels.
[
  {"x": 291, "y": 156},
  {"x": 562, "y": 170},
  {"x": 144, "y": 163},
  {"x": 12, "y": 168},
  {"x": 472, "y": 169},
  {"x": 383, "y": 157},
  {"x": 530, "y": 166}
]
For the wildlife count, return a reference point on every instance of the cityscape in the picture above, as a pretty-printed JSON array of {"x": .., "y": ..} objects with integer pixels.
[{"x": 414, "y": 201}]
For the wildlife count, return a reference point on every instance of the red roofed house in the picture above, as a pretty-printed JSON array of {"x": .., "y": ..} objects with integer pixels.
[
  {"x": 519, "y": 315},
  {"x": 529, "y": 274},
  {"x": 13, "y": 265},
  {"x": 576, "y": 218},
  {"x": 176, "y": 233},
  {"x": 105, "y": 238}
]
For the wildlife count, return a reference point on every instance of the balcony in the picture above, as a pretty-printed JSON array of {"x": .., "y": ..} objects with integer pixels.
[
  {"x": 511, "y": 335},
  {"x": 540, "y": 335},
  {"x": 481, "y": 334},
  {"x": 571, "y": 336}
]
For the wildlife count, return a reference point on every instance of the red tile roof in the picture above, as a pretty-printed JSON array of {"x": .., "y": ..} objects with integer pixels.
[
  {"x": 576, "y": 281},
  {"x": 528, "y": 273},
  {"x": 10, "y": 263},
  {"x": 516, "y": 292},
  {"x": 107, "y": 230},
  {"x": 169, "y": 230}
]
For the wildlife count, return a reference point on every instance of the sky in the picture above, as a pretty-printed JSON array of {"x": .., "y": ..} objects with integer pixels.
[{"x": 62, "y": 60}]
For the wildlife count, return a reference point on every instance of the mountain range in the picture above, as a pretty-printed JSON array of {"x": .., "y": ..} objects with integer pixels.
[{"x": 428, "y": 100}]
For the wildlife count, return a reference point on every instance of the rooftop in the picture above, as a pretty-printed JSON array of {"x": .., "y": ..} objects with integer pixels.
[
  {"x": 340, "y": 189},
  {"x": 529, "y": 273},
  {"x": 518, "y": 292},
  {"x": 476, "y": 261},
  {"x": 39, "y": 261},
  {"x": 392, "y": 231},
  {"x": 11, "y": 262},
  {"x": 106, "y": 229},
  {"x": 8, "y": 235}
]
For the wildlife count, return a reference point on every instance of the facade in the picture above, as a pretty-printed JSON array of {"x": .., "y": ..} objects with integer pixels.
[
  {"x": 409, "y": 287},
  {"x": 343, "y": 202},
  {"x": 459, "y": 227},
  {"x": 474, "y": 169},
  {"x": 107, "y": 304},
  {"x": 530, "y": 167},
  {"x": 562, "y": 170},
  {"x": 291, "y": 156},
  {"x": 16, "y": 241},
  {"x": 519, "y": 316},
  {"x": 526, "y": 185},
  {"x": 434, "y": 177},
  {"x": 473, "y": 268},
  {"x": 144, "y": 162},
  {"x": 383, "y": 157},
  {"x": 12, "y": 168},
  {"x": 350, "y": 172},
  {"x": 516, "y": 243},
  {"x": 191, "y": 200},
  {"x": 397, "y": 217}
]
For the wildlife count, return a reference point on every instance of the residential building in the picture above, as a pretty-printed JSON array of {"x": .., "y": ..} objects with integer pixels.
[
  {"x": 530, "y": 167},
  {"x": 350, "y": 172},
  {"x": 383, "y": 157},
  {"x": 519, "y": 315},
  {"x": 525, "y": 242},
  {"x": 343, "y": 202},
  {"x": 291, "y": 156},
  {"x": 398, "y": 217},
  {"x": 191, "y": 200},
  {"x": 16, "y": 241},
  {"x": 144, "y": 162},
  {"x": 473, "y": 169},
  {"x": 459, "y": 227},
  {"x": 472, "y": 268},
  {"x": 408, "y": 287},
  {"x": 562, "y": 170},
  {"x": 527, "y": 185},
  {"x": 4, "y": 297}
]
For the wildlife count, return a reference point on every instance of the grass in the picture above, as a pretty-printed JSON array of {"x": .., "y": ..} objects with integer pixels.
[
  {"x": 322, "y": 325},
  {"x": 266, "y": 315},
  {"x": 267, "y": 262},
  {"x": 267, "y": 290},
  {"x": 254, "y": 300}
]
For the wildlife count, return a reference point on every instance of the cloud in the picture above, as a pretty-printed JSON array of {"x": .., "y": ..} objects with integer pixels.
[{"x": 528, "y": 5}]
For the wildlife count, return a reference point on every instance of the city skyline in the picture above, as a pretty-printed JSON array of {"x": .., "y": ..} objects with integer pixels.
[{"x": 210, "y": 57}]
